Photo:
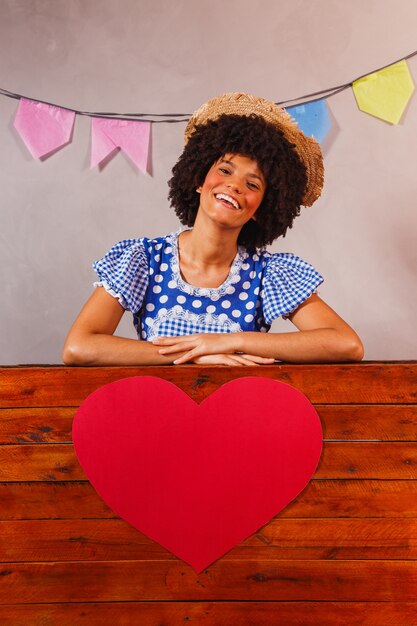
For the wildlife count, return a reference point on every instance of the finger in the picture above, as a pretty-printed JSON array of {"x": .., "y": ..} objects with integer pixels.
[
  {"x": 188, "y": 356},
  {"x": 159, "y": 341},
  {"x": 242, "y": 360},
  {"x": 260, "y": 360},
  {"x": 182, "y": 346},
  {"x": 168, "y": 341},
  {"x": 218, "y": 359},
  {"x": 226, "y": 359}
]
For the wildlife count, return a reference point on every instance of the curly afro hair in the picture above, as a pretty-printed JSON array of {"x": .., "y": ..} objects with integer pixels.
[{"x": 253, "y": 137}]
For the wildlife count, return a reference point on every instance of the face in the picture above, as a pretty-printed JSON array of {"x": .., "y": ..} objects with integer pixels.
[{"x": 232, "y": 191}]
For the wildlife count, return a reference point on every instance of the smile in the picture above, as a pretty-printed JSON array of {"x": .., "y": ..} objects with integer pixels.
[{"x": 228, "y": 199}]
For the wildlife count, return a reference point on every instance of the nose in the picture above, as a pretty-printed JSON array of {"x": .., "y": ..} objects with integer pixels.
[{"x": 235, "y": 183}]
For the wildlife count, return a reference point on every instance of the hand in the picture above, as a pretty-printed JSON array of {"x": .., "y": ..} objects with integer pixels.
[
  {"x": 232, "y": 359},
  {"x": 222, "y": 346},
  {"x": 193, "y": 346}
]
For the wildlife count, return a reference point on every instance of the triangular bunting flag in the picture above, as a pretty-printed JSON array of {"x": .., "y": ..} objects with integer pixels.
[
  {"x": 108, "y": 135},
  {"x": 43, "y": 127},
  {"x": 312, "y": 118},
  {"x": 385, "y": 94}
]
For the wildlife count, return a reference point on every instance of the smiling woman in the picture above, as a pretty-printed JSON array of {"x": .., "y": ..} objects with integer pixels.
[
  {"x": 233, "y": 189},
  {"x": 209, "y": 293}
]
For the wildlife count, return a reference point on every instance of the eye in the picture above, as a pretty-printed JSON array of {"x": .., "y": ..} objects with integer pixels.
[
  {"x": 224, "y": 170},
  {"x": 253, "y": 186}
]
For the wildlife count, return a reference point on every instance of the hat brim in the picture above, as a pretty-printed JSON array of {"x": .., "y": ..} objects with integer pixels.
[{"x": 307, "y": 148}]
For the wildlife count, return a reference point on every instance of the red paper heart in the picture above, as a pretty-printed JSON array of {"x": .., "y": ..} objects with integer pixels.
[{"x": 198, "y": 479}]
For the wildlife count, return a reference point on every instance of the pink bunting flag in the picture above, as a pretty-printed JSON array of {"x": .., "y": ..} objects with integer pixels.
[
  {"x": 108, "y": 135},
  {"x": 43, "y": 127}
]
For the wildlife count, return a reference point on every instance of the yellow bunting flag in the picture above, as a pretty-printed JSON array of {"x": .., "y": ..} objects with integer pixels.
[{"x": 385, "y": 93}]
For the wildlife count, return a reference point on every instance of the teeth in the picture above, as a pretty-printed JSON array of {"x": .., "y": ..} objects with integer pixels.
[{"x": 224, "y": 196}]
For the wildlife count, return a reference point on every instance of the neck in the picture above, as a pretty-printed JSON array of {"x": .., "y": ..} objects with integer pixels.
[
  {"x": 206, "y": 254},
  {"x": 206, "y": 248},
  {"x": 207, "y": 244}
]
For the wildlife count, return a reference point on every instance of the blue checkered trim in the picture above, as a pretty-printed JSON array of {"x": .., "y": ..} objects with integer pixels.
[
  {"x": 177, "y": 327},
  {"x": 288, "y": 282},
  {"x": 123, "y": 271}
]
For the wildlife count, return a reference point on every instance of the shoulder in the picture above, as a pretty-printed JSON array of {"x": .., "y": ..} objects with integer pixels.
[
  {"x": 140, "y": 248},
  {"x": 158, "y": 245},
  {"x": 125, "y": 255},
  {"x": 290, "y": 266},
  {"x": 124, "y": 270},
  {"x": 288, "y": 281},
  {"x": 124, "y": 246}
]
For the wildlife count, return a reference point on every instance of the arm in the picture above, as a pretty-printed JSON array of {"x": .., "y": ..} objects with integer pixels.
[
  {"x": 90, "y": 340},
  {"x": 323, "y": 337}
]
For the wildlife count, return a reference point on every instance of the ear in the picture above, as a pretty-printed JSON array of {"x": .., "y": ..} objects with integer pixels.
[{"x": 198, "y": 190}]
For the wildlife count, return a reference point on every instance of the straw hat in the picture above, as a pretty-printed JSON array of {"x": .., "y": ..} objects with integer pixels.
[{"x": 244, "y": 104}]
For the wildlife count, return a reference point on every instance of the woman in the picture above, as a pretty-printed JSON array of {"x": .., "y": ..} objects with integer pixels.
[{"x": 209, "y": 293}]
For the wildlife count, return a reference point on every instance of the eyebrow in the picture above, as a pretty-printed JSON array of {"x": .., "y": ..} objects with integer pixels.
[{"x": 252, "y": 174}]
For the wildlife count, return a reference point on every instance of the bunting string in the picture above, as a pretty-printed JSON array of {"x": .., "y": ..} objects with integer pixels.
[
  {"x": 45, "y": 127},
  {"x": 332, "y": 91},
  {"x": 183, "y": 117}
]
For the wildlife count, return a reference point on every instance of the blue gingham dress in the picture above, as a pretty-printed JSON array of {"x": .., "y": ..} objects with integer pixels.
[{"x": 144, "y": 275}]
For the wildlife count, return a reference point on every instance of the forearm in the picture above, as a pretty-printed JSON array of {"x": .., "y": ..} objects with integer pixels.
[
  {"x": 103, "y": 349},
  {"x": 319, "y": 345},
  {"x": 91, "y": 341}
]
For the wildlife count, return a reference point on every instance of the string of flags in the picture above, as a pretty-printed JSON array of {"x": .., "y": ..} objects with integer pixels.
[{"x": 45, "y": 128}]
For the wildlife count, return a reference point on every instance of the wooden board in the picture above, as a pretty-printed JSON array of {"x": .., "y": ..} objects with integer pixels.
[
  {"x": 373, "y": 383},
  {"x": 349, "y": 422},
  {"x": 159, "y": 579},
  {"x": 212, "y": 614},
  {"x": 344, "y": 552},
  {"x": 298, "y": 539},
  {"x": 321, "y": 498},
  {"x": 394, "y": 460}
]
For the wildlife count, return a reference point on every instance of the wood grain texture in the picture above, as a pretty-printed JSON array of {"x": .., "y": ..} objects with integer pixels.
[
  {"x": 376, "y": 422},
  {"x": 321, "y": 498},
  {"x": 396, "y": 460},
  {"x": 212, "y": 614},
  {"x": 374, "y": 460},
  {"x": 339, "y": 422},
  {"x": 115, "y": 540},
  {"x": 36, "y": 425},
  {"x": 115, "y": 581},
  {"x": 357, "y": 383},
  {"x": 343, "y": 552}
]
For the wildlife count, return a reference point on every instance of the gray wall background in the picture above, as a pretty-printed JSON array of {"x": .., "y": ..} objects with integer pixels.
[{"x": 57, "y": 216}]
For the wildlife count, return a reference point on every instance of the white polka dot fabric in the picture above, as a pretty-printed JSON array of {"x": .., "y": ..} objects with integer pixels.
[{"x": 144, "y": 274}]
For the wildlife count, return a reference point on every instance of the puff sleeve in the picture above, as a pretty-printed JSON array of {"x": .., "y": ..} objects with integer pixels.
[
  {"x": 288, "y": 282},
  {"x": 124, "y": 273}
]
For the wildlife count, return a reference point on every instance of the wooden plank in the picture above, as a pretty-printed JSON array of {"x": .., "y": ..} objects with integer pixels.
[
  {"x": 36, "y": 425},
  {"x": 358, "y": 383},
  {"x": 115, "y": 540},
  {"x": 377, "y": 422},
  {"x": 358, "y": 570},
  {"x": 375, "y": 460},
  {"x": 368, "y": 460},
  {"x": 355, "y": 498},
  {"x": 213, "y": 614},
  {"x": 95, "y": 581},
  {"x": 386, "y": 538},
  {"x": 52, "y": 500},
  {"x": 39, "y": 462},
  {"x": 321, "y": 498},
  {"x": 382, "y": 422}
]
